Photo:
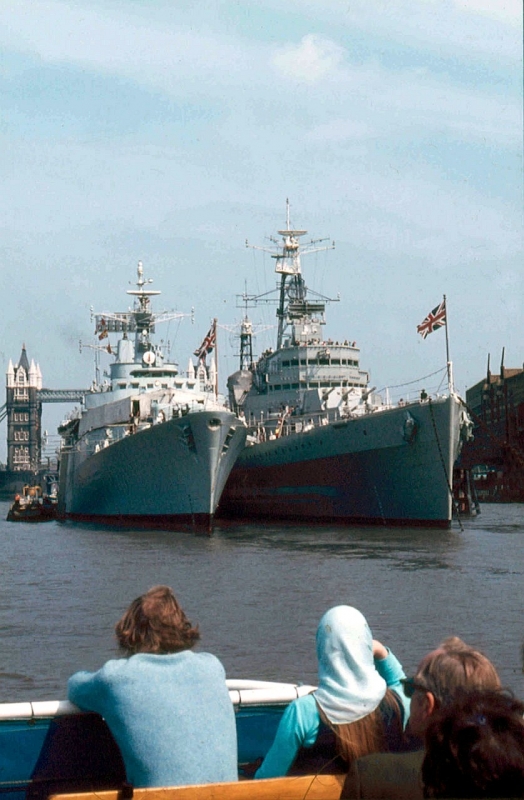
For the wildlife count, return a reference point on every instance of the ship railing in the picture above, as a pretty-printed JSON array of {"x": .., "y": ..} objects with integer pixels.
[{"x": 277, "y": 425}]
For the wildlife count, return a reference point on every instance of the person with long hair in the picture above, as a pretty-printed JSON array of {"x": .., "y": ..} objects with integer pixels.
[
  {"x": 354, "y": 710},
  {"x": 167, "y": 707}
]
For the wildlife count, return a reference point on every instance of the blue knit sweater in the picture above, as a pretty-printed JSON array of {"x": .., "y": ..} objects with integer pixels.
[{"x": 170, "y": 715}]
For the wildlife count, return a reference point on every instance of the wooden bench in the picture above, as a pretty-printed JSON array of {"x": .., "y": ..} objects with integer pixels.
[{"x": 305, "y": 787}]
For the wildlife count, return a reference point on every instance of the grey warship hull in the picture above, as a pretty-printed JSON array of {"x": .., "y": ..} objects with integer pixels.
[
  {"x": 170, "y": 472},
  {"x": 150, "y": 444},
  {"x": 391, "y": 467},
  {"x": 322, "y": 444}
]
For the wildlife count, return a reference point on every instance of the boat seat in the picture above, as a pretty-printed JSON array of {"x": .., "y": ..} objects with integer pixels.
[{"x": 304, "y": 787}]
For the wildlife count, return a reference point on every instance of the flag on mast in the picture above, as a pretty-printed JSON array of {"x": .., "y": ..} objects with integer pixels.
[
  {"x": 435, "y": 319},
  {"x": 102, "y": 329},
  {"x": 209, "y": 343}
]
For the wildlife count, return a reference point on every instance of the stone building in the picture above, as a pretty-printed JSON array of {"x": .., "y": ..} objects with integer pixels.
[
  {"x": 496, "y": 453},
  {"x": 24, "y": 415}
]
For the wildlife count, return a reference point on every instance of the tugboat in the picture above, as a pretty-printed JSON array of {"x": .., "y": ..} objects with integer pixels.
[
  {"x": 149, "y": 445},
  {"x": 32, "y": 506},
  {"x": 322, "y": 444}
]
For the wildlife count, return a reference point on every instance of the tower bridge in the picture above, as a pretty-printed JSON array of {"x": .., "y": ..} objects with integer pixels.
[
  {"x": 25, "y": 396},
  {"x": 61, "y": 395}
]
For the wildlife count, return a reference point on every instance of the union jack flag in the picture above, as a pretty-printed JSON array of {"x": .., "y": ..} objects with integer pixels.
[
  {"x": 209, "y": 343},
  {"x": 435, "y": 319},
  {"x": 102, "y": 329}
]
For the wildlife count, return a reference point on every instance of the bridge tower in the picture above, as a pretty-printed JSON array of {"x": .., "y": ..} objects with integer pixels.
[{"x": 24, "y": 415}]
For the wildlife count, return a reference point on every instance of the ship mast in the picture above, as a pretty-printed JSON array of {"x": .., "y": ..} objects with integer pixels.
[
  {"x": 288, "y": 267},
  {"x": 292, "y": 290},
  {"x": 292, "y": 304},
  {"x": 246, "y": 344}
]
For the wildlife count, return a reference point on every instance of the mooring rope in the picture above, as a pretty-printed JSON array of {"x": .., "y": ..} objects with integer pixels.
[{"x": 450, "y": 489}]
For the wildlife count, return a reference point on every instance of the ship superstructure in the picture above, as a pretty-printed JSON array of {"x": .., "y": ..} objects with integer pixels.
[
  {"x": 322, "y": 443},
  {"x": 148, "y": 442}
]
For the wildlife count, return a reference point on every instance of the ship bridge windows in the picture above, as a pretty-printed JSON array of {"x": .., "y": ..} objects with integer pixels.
[
  {"x": 122, "y": 385},
  {"x": 292, "y": 362},
  {"x": 155, "y": 373}
]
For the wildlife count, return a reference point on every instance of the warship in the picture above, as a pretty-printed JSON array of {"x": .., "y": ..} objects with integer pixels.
[
  {"x": 322, "y": 444},
  {"x": 148, "y": 443}
]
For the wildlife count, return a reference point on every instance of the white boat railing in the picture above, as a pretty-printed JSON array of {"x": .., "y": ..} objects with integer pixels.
[{"x": 241, "y": 692}]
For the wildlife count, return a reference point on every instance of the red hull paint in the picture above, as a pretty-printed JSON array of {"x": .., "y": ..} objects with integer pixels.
[{"x": 197, "y": 522}]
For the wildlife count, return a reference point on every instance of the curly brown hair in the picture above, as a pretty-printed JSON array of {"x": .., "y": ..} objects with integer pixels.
[
  {"x": 155, "y": 623},
  {"x": 475, "y": 748}
]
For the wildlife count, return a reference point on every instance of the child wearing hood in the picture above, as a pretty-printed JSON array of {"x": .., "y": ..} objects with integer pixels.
[{"x": 358, "y": 708}]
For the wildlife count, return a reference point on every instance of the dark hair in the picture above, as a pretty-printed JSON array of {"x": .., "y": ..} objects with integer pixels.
[
  {"x": 155, "y": 623},
  {"x": 453, "y": 667},
  {"x": 475, "y": 747}
]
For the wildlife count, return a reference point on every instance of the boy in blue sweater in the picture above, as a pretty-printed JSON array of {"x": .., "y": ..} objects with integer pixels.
[{"x": 168, "y": 708}]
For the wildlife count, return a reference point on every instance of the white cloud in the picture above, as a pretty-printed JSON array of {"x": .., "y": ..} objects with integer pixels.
[
  {"x": 314, "y": 59},
  {"x": 462, "y": 30}
]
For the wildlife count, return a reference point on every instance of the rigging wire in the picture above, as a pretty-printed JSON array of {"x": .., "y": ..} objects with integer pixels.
[{"x": 417, "y": 380}]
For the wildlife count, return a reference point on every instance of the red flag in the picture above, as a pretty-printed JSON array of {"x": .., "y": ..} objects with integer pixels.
[{"x": 435, "y": 319}]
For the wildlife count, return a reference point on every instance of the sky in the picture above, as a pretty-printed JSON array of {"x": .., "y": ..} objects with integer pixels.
[{"x": 171, "y": 132}]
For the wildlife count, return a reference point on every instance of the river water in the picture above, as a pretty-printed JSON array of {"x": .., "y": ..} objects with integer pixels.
[{"x": 257, "y": 592}]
